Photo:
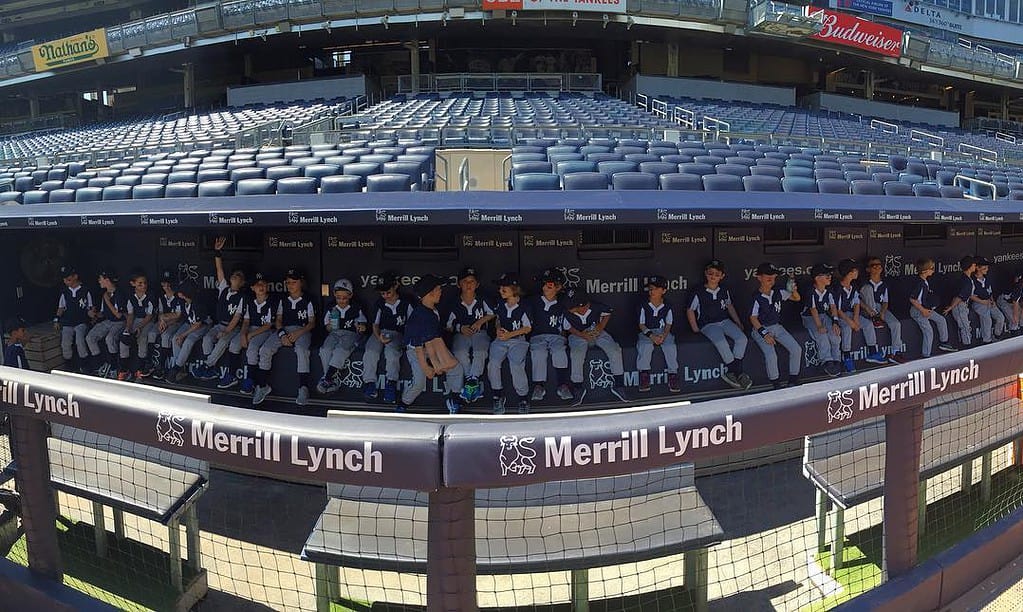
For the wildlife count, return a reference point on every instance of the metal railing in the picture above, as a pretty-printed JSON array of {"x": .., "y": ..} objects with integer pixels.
[
  {"x": 1009, "y": 138},
  {"x": 884, "y": 126},
  {"x": 926, "y": 137},
  {"x": 971, "y": 187},
  {"x": 506, "y": 82},
  {"x": 978, "y": 152}
]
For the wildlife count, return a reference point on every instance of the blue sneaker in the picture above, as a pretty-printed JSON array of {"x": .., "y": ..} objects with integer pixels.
[
  {"x": 369, "y": 390},
  {"x": 850, "y": 365},
  {"x": 247, "y": 386},
  {"x": 391, "y": 392},
  {"x": 452, "y": 405},
  {"x": 227, "y": 381},
  {"x": 876, "y": 357}
]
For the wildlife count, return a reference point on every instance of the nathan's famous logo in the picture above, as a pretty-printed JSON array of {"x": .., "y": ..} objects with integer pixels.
[
  {"x": 517, "y": 455},
  {"x": 71, "y": 50},
  {"x": 170, "y": 430},
  {"x": 840, "y": 405}
]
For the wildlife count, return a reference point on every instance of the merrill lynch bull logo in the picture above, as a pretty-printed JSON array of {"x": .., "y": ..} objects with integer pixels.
[
  {"x": 517, "y": 455},
  {"x": 840, "y": 405},
  {"x": 170, "y": 430}
]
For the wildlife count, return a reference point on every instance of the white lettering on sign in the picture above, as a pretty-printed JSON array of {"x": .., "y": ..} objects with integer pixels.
[{"x": 22, "y": 394}]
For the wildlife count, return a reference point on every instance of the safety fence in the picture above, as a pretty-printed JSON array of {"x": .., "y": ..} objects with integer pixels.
[{"x": 147, "y": 498}]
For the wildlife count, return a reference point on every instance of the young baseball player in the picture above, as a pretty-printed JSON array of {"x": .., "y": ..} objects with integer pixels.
[
  {"x": 224, "y": 335},
  {"x": 257, "y": 325},
  {"x": 655, "y": 322},
  {"x": 17, "y": 336},
  {"x": 138, "y": 321},
  {"x": 109, "y": 323},
  {"x": 845, "y": 309},
  {"x": 422, "y": 327},
  {"x": 470, "y": 342},
  {"x": 875, "y": 302},
  {"x": 819, "y": 322},
  {"x": 768, "y": 332},
  {"x": 983, "y": 303},
  {"x": 168, "y": 318},
  {"x": 1009, "y": 303},
  {"x": 712, "y": 313},
  {"x": 923, "y": 309},
  {"x": 513, "y": 325},
  {"x": 585, "y": 322},
  {"x": 295, "y": 319},
  {"x": 72, "y": 318},
  {"x": 390, "y": 313},
  {"x": 189, "y": 331},
  {"x": 345, "y": 324},
  {"x": 547, "y": 315},
  {"x": 960, "y": 306}
]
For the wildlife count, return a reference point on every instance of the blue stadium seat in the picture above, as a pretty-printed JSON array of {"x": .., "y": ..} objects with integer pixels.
[
  {"x": 658, "y": 167},
  {"x": 57, "y": 174},
  {"x": 101, "y": 181},
  {"x": 205, "y": 176},
  {"x": 770, "y": 161},
  {"x": 612, "y": 167},
  {"x": 388, "y": 182},
  {"x": 515, "y": 158},
  {"x": 774, "y": 171},
  {"x": 62, "y": 195},
  {"x": 181, "y": 176},
  {"x": 897, "y": 163},
  {"x": 602, "y": 157},
  {"x": 797, "y": 172},
  {"x": 117, "y": 192},
  {"x": 413, "y": 170},
  {"x": 318, "y": 171},
  {"x": 712, "y": 160},
  {"x": 911, "y": 179},
  {"x": 897, "y": 188},
  {"x": 761, "y": 183},
  {"x": 799, "y": 184},
  {"x": 627, "y": 181},
  {"x": 951, "y": 191},
  {"x": 147, "y": 191},
  {"x": 51, "y": 185},
  {"x": 296, "y": 184},
  {"x": 681, "y": 182},
  {"x": 89, "y": 194},
  {"x": 590, "y": 149},
  {"x": 38, "y": 176},
  {"x": 241, "y": 174},
  {"x": 377, "y": 158},
  {"x": 916, "y": 167},
  {"x": 181, "y": 190},
  {"x": 35, "y": 196},
  {"x": 525, "y": 167},
  {"x": 866, "y": 187},
  {"x": 76, "y": 183},
  {"x": 1015, "y": 194},
  {"x": 361, "y": 169},
  {"x": 556, "y": 158},
  {"x": 677, "y": 159},
  {"x": 856, "y": 175},
  {"x": 128, "y": 180},
  {"x": 697, "y": 169},
  {"x": 341, "y": 183},
  {"x": 574, "y": 165},
  {"x": 154, "y": 179},
  {"x": 10, "y": 197},
  {"x": 929, "y": 190},
  {"x": 537, "y": 181},
  {"x": 528, "y": 149},
  {"x": 884, "y": 177},
  {"x": 722, "y": 182},
  {"x": 256, "y": 186},
  {"x": 828, "y": 173},
  {"x": 216, "y": 188},
  {"x": 24, "y": 183},
  {"x": 832, "y": 185},
  {"x": 640, "y": 158},
  {"x": 798, "y": 163},
  {"x": 733, "y": 169},
  {"x": 577, "y": 181},
  {"x": 338, "y": 160}
]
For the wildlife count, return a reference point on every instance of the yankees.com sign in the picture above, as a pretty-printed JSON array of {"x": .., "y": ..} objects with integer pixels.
[{"x": 589, "y": 6}]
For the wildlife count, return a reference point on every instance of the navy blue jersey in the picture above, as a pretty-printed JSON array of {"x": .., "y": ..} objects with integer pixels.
[
  {"x": 767, "y": 308},
  {"x": 192, "y": 312},
  {"x": 656, "y": 318},
  {"x": 140, "y": 306},
  {"x": 921, "y": 292},
  {"x": 296, "y": 311},
  {"x": 588, "y": 319},
  {"x": 14, "y": 356},
  {"x": 512, "y": 317},
  {"x": 422, "y": 326},
  {"x": 982, "y": 288},
  {"x": 880, "y": 290},
  {"x": 1012, "y": 293},
  {"x": 259, "y": 314},
  {"x": 547, "y": 317},
  {"x": 76, "y": 304},
  {"x": 846, "y": 298},
  {"x": 348, "y": 318},
  {"x": 169, "y": 304},
  {"x": 822, "y": 301},
  {"x": 965, "y": 288},
  {"x": 391, "y": 317},
  {"x": 228, "y": 302},
  {"x": 463, "y": 314},
  {"x": 710, "y": 305},
  {"x": 119, "y": 303}
]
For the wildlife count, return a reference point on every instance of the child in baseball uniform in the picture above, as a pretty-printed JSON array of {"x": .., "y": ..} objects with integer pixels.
[
  {"x": 982, "y": 302},
  {"x": 923, "y": 304},
  {"x": 875, "y": 302},
  {"x": 845, "y": 309},
  {"x": 72, "y": 318},
  {"x": 513, "y": 325},
  {"x": 547, "y": 315},
  {"x": 224, "y": 335},
  {"x": 190, "y": 330},
  {"x": 585, "y": 322},
  {"x": 470, "y": 342},
  {"x": 345, "y": 324},
  {"x": 655, "y": 322},
  {"x": 422, "y": 327},
  {"x": 390, "y": 313},
  {"x": 257, "y": 325},
  {"x": 960, "y": 306},
  {"x": 138, "y": 321},
  {"x": 14, "y": 352},
  {"x": 768, "y": 332},
  {"x": 295, "y": 320},
  {"x": 712, "y": 313},
  {"x": 107, "y": 329},
  {"x": 168, "y": 317},
  {"x": 1009, "y": 303},
  {"x": 819, "y": 320}
]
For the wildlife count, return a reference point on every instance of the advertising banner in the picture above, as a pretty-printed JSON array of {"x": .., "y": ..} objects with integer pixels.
[
  {"x": 70, "y": 50},
  {"x": 851, "y": 31},
  {"x": 936, "y": 17},
  {"x": 589, "y": 6}
]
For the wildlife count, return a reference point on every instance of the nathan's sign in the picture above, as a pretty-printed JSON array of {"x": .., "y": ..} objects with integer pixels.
[
  {"x": 71, "y": 50},
  {"x": 849, "y": 31}
]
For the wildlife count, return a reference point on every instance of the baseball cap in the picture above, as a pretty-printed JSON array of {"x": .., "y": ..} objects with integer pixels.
[
  {"x": 983, "y": 261},
  {"x": 67, "y": 270},
  {"x": 967, "y": 261},
  {"x": 576, "y": 297},
  {"x": 107, "y": 273},
  {"x": 657, "y": 281},
  {"x": 387, "y": 281},
  {"x": 258, "y": 277},
  {"x": 716, "y": 264},
  {"x": 821, "y": 269},
  {"x": 466, "y": 272},
  {"x": 846, "y": 266},
  {"x": 343, "y": 284},
  {"x": 426, "y": 284},
  {"x": 508, "y": 279},
  {"x": 552, "y": 275},
  {"x": 189, "y": 289},
  {"x": 14, "y": 323},
  {"x": 767, "y": 268},
  {"x": 167, "y": 276},
  {"x": 294, "y": 274}
]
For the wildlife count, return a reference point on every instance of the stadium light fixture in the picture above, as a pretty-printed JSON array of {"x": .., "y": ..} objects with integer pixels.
[
  {"x": 605, "y": 19},
  {"x": 384, "y": 21},
  {"x": 514, "y": 16},
  {"x": 575, "y": 18},
  {"x": 629, "y": 23}
]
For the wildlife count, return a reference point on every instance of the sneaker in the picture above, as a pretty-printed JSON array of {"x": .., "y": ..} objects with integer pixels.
[
  {"x": 472, "y": 390},
  {"x": 777, "y": 384},
  {"x": 948, "y": 348},
  {"x": 302, "y": 398},
  {"x": 139, "y": 376},
  {"x": 849, "y": 364},
  {"x": 831, "y": 369},
  {"x": 369, "y": 390},
  {"x": 247, "y": 386},
  {"x": 112, "y": 373},
  {"x": 327, "y": 385},
  {"x": 731, "y": 379},
  {"x": 580, "y": 395},
  {"x": 260, "y": 394},
  {"x": 897, "y": 358},
  {"x": 620, "y": 393},
  {"x": 147, "y": 370},
  {"x": 644, "y": 382},
  {"x": 876, "y": 357},
  {"x": 209, "y": 373},
  {"x": 539, "y": 392},
  {"x": 123, "y": 375},
  {"x": 102, "y": 370},
  {"x": 879, "y": 324},
  {"x": 391, "y": 392},
  {"x": 228, "y": 380},
  {"x": 745, "y": 380},
  {"x": 401, "y": 408},
  {"x": 159, "y": 374},
  {"x": 673, "y": 384},
  {"x": 523, "y": 406},
  {"x": 499, "y": 405},
  {"x": 565, "y": 392},
  {"x": 453, "y": 405},
  {"x": 793, "y": 380}
]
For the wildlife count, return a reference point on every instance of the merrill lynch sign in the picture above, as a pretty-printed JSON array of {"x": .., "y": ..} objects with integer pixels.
[{"x": 71, "y": 50}]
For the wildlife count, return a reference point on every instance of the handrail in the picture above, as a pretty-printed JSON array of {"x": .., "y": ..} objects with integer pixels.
[
  {"x": 506, "y": 169},
  {"x": 884, "y": 126},
  {"x": 659, "y": 108},
  {"x": 437, "y": 176},
  {"x": 645, "y": 103},
  {"x": 971, "y": 182},
  {"x": 1009, "y": 138},
  {"x": 684, "y": 117},
  {"x": 932, "y": 139},
  {"x": 992, "y": 155},
  {"x": 463, "y": 174},
  {"x": 719, "y": 126}
]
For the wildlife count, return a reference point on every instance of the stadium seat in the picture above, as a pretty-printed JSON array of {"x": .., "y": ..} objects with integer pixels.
[
  {"x": 866, "y": 187},
  {"x": 733, "y": 169},
  {"x": 117, "y": 192},
  {"x": 128, "y": 180},
  {"x": 797, "y": 172},
  {"x": 766, "y": 171},
  {"x": 338, "y": 160},
  {"x": 710, "y": 160},
  {"x": 361, "y": 169},
  {"x": 722, "y": 182},
  {"x": 296, "y": 184},
  {"x": 89, "y": 194},
  {"x": 829, "y": 185},
  {"x": 181, "y": 190},
  {"x": 413, "y": 170},
  {"x": 10, "y": 197},
  {"x": 76, "y": 183},
  {"x": 658, "y": 167},
  {"x": 681, "y": 182},
  {"x": 602, "y": 157},
  {"x": 181, "y": 177},
  {"x": 916, "y": 167},
  {"x": 577, "y": 181},
  {"x": 51, "y": 185},
  {"x": 216, "y": 188},
  {"x": 639, "y": 158},
  {"x": 24, "y": 183},
  {"x": 761, "y": 183},
  {"x": 828, "y": 173},
  {"x": 884, "y": 177},
  {"x": 612, "y": 167},
  {"x": 556, "y": 158},
  {"x": 101, "y": 181},
  {"x": 388, "y": 182},
  {"x": 677, "y": 159},
  {"x": 621, "y": 181},
  {"x": 147, "y": 191},
  {"x": 697, "y": 169},
  {"x": 154, "y": 179},
  {"x": 62, "y": 195},
  {"x": 525, "y": 167},
  {"x": 897, "y": 163},
  {"x": 537, "y": 181},
  {"x": 241, "y": 174},
  {"x": 516, "y": 157},
  {"x": 856, "y": 175},
  {"x": 256, "y": 186},
  {"x": 279, "y": 172},
  {"x": 57, "y": 174},
  {"x": 929, "y": 190},
  {"x": 911, "y": 179},
  {"x": 318, "y": 171},
  {"x": 1015, "y": 194},
  {"x": 574, "y": 165},
  {"x": 341, "y": 183},
  {"x": 951, "y": 191},
  {"x": 898, "y": 188},
  {"x": 799, "y": 184},
  {"x": 35, "y": 196}
]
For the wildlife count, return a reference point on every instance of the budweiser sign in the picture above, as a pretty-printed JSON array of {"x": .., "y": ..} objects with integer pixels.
[{"x": 849, "y": 31}]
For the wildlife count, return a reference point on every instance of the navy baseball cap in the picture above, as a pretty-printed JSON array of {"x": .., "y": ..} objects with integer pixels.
[
  {"x": 189, "y": 289},
  {"x": 767, "y": 268},
  {"x": 846, "y": 266},
  {"x": 983, "y": 261},
  {"x": 552, "y": 275},
  {"x": 167, "y": 276},
  {"x": 657, "y": 281},
  {"x": 821, "y": 269},
  {"x": 716, "y": 264},
  {"x": 466, "y": 272},
  {"x": 967, "y": 261},
  {"x": 508, "y": 279},
  {"x": 294, "y": 274},
  {"x": 426, "y": 284},
  {"x": 67, "y": 270},
  {"x": 343, "y": 284},
  {"x": 107, "y": 273},
  {"x": 258, "y": 277},
  {"x": 14, "y": 323},
  {"x": 576, "y": 298},
  {"x": 387, "y": 281}
]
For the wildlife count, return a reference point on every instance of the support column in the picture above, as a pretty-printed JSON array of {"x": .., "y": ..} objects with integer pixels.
[
  {"x": 247, "y": 67},
  {"x": 188, "y": 84},
  {"x": 903, "y": 435},
  {"x": 39, "y": 510},
  {"x": 1004, "y": 107},
  {"x": 968, "y": 107},
  {"x": 451, "y": 551},
  {"x": 33, "y": 107},
  {"x": 672, "y": 59},
  {"x": 868, "y": 85},
  {"x": 413, "y": 48}
]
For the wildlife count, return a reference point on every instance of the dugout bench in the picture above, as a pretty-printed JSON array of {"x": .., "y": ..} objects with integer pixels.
[
  {"x": 847, "y": 465},
  {"x": 568, "y": 525}
]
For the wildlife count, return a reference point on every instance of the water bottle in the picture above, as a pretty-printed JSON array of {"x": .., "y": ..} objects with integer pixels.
[
  {"x": 335, "y": 319},
  {"x": 790, "y": 285}
]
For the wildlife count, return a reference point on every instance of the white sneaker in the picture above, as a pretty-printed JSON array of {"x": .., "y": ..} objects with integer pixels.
[
  {"x": 260, "y": 394},
  {"x": 303, "y": 396}
]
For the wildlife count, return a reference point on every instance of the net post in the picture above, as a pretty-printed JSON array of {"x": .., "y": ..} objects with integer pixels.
[
  {"x": 31, "y": 455},
  {"x": 902, "y": 500},
  {"x": 451, "y": 551}
]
